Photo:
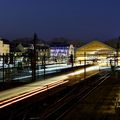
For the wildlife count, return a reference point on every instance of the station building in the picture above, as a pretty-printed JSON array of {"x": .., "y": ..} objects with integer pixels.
[{"x": 96, "y": 52}]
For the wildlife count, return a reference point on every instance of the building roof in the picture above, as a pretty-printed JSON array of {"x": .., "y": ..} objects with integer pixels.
[
  {"x": 42, "y": 47},
  {"x": 59, "y": 45},
  {"x": 5, "y": 41},
  {"x": 95, "y": 45}
]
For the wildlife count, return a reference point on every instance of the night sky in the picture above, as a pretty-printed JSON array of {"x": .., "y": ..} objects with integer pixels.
[{"x": 74, "y": 19}]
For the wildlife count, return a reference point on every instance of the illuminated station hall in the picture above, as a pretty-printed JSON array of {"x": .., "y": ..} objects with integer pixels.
[{"x": 97, "y": 53}]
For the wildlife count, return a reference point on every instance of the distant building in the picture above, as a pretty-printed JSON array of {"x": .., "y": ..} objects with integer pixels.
[
  {"x": 21, "y": 51},
  {"x": 42, "y": 50},
  {"x": 4, "y": 47},
  {"x": 61, "y": 53}
]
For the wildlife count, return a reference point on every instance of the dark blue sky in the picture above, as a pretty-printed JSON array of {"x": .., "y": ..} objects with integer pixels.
[{"x": 74, "y": 19}]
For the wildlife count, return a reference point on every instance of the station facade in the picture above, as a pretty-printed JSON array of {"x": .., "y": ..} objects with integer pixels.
[{"x": 97, "y": 52}]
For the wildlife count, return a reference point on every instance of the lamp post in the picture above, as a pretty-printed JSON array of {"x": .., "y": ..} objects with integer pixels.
[
  {"x": 33, "y": 61},
  {"x": 71, "y": 60},
  {"x": 44, "y": 63},
  {"x": 117, "y": 49},
  {"x": 3, "y": 68},
  {"x": 84, "y": 65}
]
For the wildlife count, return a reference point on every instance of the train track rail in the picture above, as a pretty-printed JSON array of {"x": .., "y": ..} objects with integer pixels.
[{"x": 65, "y": 104}]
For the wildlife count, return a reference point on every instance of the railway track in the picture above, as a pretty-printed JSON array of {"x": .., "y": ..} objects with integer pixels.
[
  {"x": 62, "y": 105},
  {"x": 60, "y": 108}
]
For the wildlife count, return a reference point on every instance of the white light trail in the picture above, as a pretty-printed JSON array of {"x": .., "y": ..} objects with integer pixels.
[
  {"x": 48, "y": 84},
  {"x": 82, "y": 71},
  {"x": 29, "y": 94}
]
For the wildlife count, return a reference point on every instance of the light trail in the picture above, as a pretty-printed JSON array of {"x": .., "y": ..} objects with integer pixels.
[
  {"x": 44, "y": 86},
  {"x": 29, "y": 94},
  {"x": 82, "y": 71},
  {"x": 49, "y": 69}
]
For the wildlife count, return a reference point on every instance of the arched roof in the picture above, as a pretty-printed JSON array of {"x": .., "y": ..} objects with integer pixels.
[
  {"x": 93, "y": 48},
  {"x": 95, "y": 45}
]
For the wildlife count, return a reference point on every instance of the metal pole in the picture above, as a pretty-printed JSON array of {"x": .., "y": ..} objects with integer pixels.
[
  {"x": 34, "y": 59},
  {"x": 44, "y": 63},
  {"x": 117, "y": 54},
  {"x": 84, "y": 65},
  {"x": 3, "y": 68},
  {"x": 71, "y": 60},
  {"x": 14, "y": 58},
  {"x": 98, "y": 62}
]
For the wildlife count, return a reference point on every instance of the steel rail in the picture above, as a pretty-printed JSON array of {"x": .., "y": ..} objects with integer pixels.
[{"x": 72, "y": 101}]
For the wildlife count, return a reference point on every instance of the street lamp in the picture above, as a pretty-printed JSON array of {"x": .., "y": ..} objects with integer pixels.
[
  {"x": 71, "y": 59},
  {"x": 117, "y": 50},
  {"x": 3, "y": 68},
  {"x": 84, "y": 65},
  {"x": 33, "y": 58},
  {"x": 44, "y": 63}
]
